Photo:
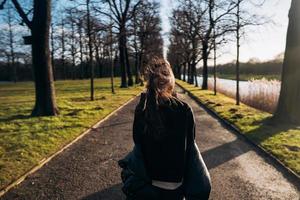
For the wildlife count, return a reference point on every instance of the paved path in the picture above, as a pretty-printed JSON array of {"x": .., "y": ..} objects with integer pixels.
[{"x": 88, "y": 169}]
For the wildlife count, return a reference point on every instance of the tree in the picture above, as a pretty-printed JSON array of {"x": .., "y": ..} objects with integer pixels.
[
  {"x": 90, "y": 45},
  {"x": 121, "y": 12},
  {"x": 243, "y": 19},
  {"x": 45, "y": 104},
  {"x": 288, "y": 107},
  {"x": 146, "y": 38},
  {"x": 186, "y": 25},
  {"x": 197, "y": 24},
  {"x": 9, "y": 43}
]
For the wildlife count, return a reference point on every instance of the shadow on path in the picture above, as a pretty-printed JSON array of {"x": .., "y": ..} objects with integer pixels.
[
  {"x": 112, "y": 193},
  {"x": 223, "y": 153}
]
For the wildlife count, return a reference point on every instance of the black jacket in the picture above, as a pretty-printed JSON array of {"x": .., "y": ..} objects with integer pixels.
[
  {"x": 137, "y": 185},
  {"x": 196, "y": 179},
  {"x": 161, "y": 132}
]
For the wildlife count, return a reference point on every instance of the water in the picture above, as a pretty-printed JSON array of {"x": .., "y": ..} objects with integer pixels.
[{"x": 230, "y": 85}]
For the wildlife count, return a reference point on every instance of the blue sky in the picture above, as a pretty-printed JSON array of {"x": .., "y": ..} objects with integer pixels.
[
  {"x": 260, "y": 42},
  {"x": 263, "y": 42}
]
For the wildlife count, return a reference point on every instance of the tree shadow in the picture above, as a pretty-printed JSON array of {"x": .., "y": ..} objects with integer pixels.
[
  {"x": 224, "y": 153},
  {"x": 112, "y": 193},
  {"x": 15, "y": 117},
  {"x": 269, "y": 128}
]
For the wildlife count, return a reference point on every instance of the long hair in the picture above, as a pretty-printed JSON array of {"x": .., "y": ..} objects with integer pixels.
[{"x": 160, "y": 88}]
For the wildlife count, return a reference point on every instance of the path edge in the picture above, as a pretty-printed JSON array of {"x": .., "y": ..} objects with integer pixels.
[
  {"x": 49, "y": 158},
  {"x": 296, "y": 177}
]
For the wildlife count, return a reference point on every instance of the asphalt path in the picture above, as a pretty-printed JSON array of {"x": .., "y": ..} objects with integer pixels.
[{"x": 88, "y": 169}]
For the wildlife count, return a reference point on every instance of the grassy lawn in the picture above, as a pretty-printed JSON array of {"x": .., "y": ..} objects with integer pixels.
[
  {"x": 25, "y": 140},
  {"x": 247, "y": 77},
  {"x": 281, "y": 140}
]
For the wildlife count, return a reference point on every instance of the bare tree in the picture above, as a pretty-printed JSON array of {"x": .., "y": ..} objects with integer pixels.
[
  {"x": 146, "y": 39},
  {"x": 121, "y": 12},
  {"x": 288, "y": 107},
  {"x": 244, "y": 18},
  {"x": 45, "y": 103}
]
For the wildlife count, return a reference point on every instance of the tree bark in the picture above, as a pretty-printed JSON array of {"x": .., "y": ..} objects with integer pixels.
[
  {"x": 90, "y": 45},
  {"x": 11, "y": 46},
  {"x": 122, "y": 41},
  {"x": 205, "y": 67},
  {"x": 128, "y": 69},
  {"x": 63, "y": 49},
  {"x": 238, "y": 54},
  {"x": 52, "y": 51},
  {"x": 137, "y": 69},
  {"x": 45, "y": 104},
  {"x": 288, "y": 107},
  {"x": 184, "y": 72},
  {"x": 81, "y": 50}
]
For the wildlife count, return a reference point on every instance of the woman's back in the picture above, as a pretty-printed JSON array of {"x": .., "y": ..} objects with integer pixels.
[{"x": 161, "y": 134}]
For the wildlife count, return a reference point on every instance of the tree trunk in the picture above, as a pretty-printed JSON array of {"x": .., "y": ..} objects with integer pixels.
[
  {"x": 81, "y": 51},
  {"x": 128, "y": 69},
  {"x": 52, "y": 50},
  {"x": 195, "y": 74},
  {"x": 45, "y": 104},
  {"x": 98, "y": 60},
  {"x": 288, "y": 107},
  {"x": 73, "y": 49},
  {"x": 190, "y": 73},
  {"x": 11, "y": 45},
  {"x": 184, "y": 72},
  {"x": 89, "y": 32},
  {"x": 238, "y": 55},
  {"x": 122, "y": 42},
  {"x": 137, "y": 69},
  {"x": 111, "y": 60},
  {"x": 63, "y": 50},
  {"x": 215, "y": 63},
  {"x": 205, "y": 67},
  {"x": 141, "y": 62}
]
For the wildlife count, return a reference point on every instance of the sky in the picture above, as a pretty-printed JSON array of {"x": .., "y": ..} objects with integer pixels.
[{"x": 262, "y": 42}]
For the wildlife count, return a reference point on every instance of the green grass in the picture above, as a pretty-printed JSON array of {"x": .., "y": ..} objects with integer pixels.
[
  {"x": 247, "y": 77},
  {"x": 281, "y": 140},
  {"x": 25, "y": 140}
]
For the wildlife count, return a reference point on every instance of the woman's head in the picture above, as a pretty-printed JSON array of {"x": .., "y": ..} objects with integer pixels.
[{"x": 160, "y": 78}]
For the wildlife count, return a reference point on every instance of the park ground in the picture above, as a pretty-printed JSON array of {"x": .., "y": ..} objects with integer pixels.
[
  {"x": 25, "y": 140},
  {"x": 88, "y": 169},
  {"x": 281, "y": 140}
]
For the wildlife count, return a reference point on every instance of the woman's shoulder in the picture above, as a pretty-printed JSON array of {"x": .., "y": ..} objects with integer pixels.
[
  {"x": 141, "y": 102},
  {"x": 182, "y": 104}
]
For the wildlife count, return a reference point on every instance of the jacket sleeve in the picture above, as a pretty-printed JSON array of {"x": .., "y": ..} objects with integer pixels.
[
  {"x": 191, "y": 126},
  {"x": 138, "y": 123}
]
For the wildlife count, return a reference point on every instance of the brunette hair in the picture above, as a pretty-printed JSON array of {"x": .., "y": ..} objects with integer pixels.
[
  {"x": 160, "y": 79},
  {"x": 160, "y": 87}
]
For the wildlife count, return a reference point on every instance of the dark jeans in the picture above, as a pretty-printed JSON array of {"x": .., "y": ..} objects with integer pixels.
[
  {"x": 164, "y": 194},
  {"x": 151, "y": 192}
]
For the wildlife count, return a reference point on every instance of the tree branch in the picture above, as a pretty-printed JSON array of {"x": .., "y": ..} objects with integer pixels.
[
  {"x": 2, "y": 4},
  {"x": 22, "y": 13}
]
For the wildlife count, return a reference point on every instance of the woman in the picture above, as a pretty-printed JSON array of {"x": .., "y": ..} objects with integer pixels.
[{"x": 163, "y": 132}]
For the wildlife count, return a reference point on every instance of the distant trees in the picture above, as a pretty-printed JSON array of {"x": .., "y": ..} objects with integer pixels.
[
  {"x": 145, "y": 37},
  {"x": 199, "y": 27},
  {"x": 288, "y": 107},
  {"x": 121, "y": 12},
  {"x": 10, "y": 42},
  {"x": 185, "y": 41},
  {"x": 195, "y": 22},
  {"x": 134, "y": 28},
  {"x": 243, "y": 18}
]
